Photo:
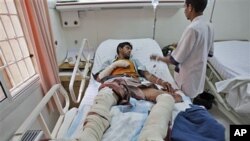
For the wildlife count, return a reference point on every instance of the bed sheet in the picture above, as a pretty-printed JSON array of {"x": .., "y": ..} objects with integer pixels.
[
  {"x": 238, "y": 93},
  {"x": 142, "y": 49},
  {"x": 232, "y": 62},
  {"x": 231, "y": 58}
]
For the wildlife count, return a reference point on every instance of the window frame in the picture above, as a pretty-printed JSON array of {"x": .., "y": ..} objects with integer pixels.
[
  {"x": 3, "y": 87},
  {"x": 24, "y": 88}
]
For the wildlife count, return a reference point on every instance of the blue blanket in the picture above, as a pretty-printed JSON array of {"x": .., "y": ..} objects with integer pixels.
[{"x": 196, "y": 124}]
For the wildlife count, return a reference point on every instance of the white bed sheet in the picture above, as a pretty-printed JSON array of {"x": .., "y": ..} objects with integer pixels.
[
  {"x": 232, "y": 61},
  {"x": 142, "y": 49},
  {"x": 231, "y": 58}
]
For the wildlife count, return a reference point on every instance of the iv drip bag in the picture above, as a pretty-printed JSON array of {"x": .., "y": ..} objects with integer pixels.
[{"x": 155, "y": 3}]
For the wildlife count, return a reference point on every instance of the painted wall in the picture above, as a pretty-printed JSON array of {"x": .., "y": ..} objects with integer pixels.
[
  {"x": 231, "y": 21},
  {"x": 12, "y": 116},
  {"x": 58, "y": 33}
]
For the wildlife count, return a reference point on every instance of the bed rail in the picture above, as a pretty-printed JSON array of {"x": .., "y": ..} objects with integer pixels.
[
  {"x": 36, "y": 114},
  {"x": 83, "y": 74},
  {"x": 212, "y": 77}
]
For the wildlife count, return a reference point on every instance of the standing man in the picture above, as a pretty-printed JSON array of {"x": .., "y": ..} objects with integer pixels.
[{"x": 191, "y": 54}]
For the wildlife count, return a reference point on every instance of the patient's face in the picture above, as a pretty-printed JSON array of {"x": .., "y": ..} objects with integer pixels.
[{"x": 126, "y": 51}]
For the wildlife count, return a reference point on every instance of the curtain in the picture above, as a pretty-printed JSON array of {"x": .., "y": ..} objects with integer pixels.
[{"x": 36, "y": 19}]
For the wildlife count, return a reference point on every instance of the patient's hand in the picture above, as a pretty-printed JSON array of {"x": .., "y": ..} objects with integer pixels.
[
  {"x": 120, "y": 63},
  {"x": 167, "y": 87},
  {"x": 154, "y": 57}
]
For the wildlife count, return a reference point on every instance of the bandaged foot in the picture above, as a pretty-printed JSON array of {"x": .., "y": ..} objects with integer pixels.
[
  {"x": 156, "y": 126},
  {"x": 107, "y": 71},
  {"x": 99, "y": 116}
]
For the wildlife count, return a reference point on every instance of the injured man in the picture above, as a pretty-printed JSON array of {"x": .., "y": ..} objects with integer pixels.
[{"x": 126, "y": 77}]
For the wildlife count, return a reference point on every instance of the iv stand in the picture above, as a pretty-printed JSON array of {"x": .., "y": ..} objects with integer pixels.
[
  {"x": 155, "y": 13},
  {"x": 211, "y": 16},
  {"x": 155, "y": 4}
]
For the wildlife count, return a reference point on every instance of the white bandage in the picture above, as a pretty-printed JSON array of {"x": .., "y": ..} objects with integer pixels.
[
  {"x": 97, "y": 123},
  {"x": 156, "y": 126},
  {"x": 107, "y": 71}
]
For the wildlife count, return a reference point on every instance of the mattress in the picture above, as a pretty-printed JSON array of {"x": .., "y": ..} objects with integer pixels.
[{"x": 231, "y": 58}]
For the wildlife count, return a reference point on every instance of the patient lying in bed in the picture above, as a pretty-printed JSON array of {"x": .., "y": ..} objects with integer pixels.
[
  {"x": 130, "y": 70},
  {"x": 122, "y": 78}
]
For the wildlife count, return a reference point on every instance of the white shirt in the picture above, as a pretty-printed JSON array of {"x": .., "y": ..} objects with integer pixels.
[{"x": 192, "y": 53}]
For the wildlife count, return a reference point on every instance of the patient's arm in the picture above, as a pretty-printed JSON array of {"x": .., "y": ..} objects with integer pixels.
[
  {"x": 154, "y": 79},
  {"x": 108, "y": 70}
]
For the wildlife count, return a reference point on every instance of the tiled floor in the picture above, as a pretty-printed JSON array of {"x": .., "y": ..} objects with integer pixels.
[{"x": 221, "y": 119}]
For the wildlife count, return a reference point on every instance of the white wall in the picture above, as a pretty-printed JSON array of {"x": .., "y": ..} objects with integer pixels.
[
  {"x": 13, "y": 115},
  {"x": 61, "y": 47},
  {"x": 231, "y": 21}
]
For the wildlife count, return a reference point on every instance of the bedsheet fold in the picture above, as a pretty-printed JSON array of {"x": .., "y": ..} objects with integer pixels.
[{"x": 238, "y": 93}]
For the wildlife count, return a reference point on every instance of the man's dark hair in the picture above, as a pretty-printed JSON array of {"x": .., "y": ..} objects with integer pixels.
[
  {"x": 121, "y": 45},
  {"x": 198, "y": 5}
]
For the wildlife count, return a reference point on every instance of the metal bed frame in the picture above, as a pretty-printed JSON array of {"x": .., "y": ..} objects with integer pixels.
[{"x": 62, "y": 105}]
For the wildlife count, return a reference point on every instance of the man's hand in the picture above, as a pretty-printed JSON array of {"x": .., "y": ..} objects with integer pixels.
[
  {"x": 167, "y": 87},
  {"x": 155, "y": 57}
]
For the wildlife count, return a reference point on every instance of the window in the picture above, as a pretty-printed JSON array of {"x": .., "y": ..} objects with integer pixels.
[{"x": 16, "y": 66}]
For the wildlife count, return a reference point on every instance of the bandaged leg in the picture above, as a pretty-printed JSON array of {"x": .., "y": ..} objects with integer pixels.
[
  {"x": 156, "y": 126},
  {"x": 99, "y": 116}
]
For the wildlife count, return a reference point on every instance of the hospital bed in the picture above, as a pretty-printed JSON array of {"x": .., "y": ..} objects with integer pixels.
[
  {"x": 130, "y": 117},
  {"x": 228, "y": 78}
]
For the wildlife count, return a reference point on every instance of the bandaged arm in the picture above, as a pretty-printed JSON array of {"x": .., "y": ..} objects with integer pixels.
[{"x": 108, "y": 70}]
